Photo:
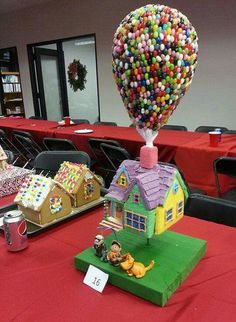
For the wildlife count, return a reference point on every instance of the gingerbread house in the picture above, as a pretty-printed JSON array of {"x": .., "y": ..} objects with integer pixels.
[
  {"x": 42, "y": 200},
  {"x": 148, "y": 201},
  {"x": 11, "y": 179},
  {"x": 82, "y": 184}
]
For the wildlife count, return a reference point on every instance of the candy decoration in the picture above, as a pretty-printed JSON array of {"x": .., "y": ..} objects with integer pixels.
[{"x": 154, "y": 58}]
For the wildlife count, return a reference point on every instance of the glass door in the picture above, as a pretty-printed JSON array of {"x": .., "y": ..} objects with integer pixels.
[
  {"x": 49, "y": 84},
  {"x": 53, "y": 95}
]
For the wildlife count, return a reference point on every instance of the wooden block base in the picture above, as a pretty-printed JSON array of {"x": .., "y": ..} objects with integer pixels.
[{"x": 175, "y": 257}]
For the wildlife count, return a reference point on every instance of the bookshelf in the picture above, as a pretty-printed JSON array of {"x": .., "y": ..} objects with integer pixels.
[{"x": 11, "y": 94}]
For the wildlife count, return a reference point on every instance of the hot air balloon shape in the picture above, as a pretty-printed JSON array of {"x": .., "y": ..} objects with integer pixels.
[{"x": 154, "y": 59}]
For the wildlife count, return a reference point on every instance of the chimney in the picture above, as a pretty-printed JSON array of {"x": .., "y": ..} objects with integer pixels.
[{"x": 148, "y": 156}]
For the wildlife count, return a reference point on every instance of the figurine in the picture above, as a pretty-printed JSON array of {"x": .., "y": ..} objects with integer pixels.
[
  {"x": 100, "y": 246},
  {"x": 114, "y": 255},
  {"x": 135, "y": 268}
]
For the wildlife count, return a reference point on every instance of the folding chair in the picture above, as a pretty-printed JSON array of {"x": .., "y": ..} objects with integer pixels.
[
  {"x": 53, "y": 144},
  {"x": 174, "y": 127},
  {"x": 230, "y": 132},
  {"x": 225, "y": 166},
  {"x": 114, "y": 155},
  {"x": 80, "y": 121},
  {"x": 99, "y": 160},
  {"x": 48, "y": 162},
  {"x": 218, "y": 210},
  {"x": 27, "y": 142},
  {"x": 204, "y": 128},
  {"x": 10, "y": 146},
  {"x": 105, "y": 123},
  {"x": 34, "y": 117}
]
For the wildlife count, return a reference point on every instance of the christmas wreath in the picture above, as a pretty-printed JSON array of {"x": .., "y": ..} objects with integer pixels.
[{"x": 76, "y": 75}]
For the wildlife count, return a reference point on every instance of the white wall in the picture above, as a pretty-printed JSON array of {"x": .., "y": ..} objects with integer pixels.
[
  {"x": 212, "y": 96},
  {"x": 83, "y": 104}
]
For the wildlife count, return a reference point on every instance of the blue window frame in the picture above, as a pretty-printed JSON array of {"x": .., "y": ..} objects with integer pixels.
[
  {"x": 169, "y": 214},
  {"x": 135, "y": 221},
  {"x": 180, "y": 207},
  {"x": 175, "y": 188}
]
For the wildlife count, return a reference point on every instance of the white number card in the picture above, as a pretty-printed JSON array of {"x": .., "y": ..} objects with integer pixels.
[{"x": 95, "y": 278}]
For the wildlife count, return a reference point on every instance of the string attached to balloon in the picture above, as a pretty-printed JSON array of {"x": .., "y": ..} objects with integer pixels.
[{"x": 154, "y": 59}]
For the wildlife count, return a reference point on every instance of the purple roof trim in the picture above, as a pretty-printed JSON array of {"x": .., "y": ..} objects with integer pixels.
[{"x": 153, "y": 183}]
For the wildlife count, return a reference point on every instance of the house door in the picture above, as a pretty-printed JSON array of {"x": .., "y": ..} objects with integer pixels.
[
  {"x": 50, "y": 92},
  {"x": 117, "y": 212}
]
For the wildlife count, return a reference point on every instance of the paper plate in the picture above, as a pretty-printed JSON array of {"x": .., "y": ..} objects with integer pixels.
[{"x": 83, "y": 131}]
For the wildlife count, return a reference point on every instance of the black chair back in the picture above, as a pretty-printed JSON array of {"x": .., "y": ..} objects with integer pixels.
[
  {"x": 53, "y": 144},
  {"x": 34, "y": 117},
  {"x": 230, "y": 132},
  {"x": 28, "y": 135},
  {"x": 225, "y": 166},
  {"x": 7, "y": 144},
  {"x": 105, "y": 123},
  {"x": 95, "y": 147},
  {"x": 115, "y": 155},
  {"x": 48, "y": 162},
  {"x": 80, "y": 121},
  {"x": 26, "y": 142},
  {"x": 206, "y": 128},
  {"x": 174, "y": 127},
  {"x": 211, "y": 209}
]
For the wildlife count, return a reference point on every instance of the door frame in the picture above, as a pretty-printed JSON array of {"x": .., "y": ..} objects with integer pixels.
[
  {"x": 38, "y": 88},
  {"x": 62, "y": 73}
]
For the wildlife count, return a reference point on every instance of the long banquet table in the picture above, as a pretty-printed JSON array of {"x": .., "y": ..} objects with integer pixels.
[
  {"x": 40, "y": 283},
  {"x": 189, "y": 150}
]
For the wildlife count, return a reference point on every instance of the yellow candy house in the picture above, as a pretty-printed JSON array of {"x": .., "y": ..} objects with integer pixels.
[
  {"x": 148, "y": 201},
  {"x": 81, "y": 183}
]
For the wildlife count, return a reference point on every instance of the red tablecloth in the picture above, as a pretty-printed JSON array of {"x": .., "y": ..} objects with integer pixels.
[
  {"x": 190, "y": 150},
  {"x": 167, "y": 141},
  {"x": 38, "y": 128},
  {"x": 195, "y": 159},
  {"x": 41, "y": 283}
]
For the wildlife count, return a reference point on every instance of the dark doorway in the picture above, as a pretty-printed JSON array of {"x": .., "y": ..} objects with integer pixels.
[{"x": 48, "y": 82}]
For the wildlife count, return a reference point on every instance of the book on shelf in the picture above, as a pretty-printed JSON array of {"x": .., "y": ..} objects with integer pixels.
[
  {"x": 11, "y": 88},
  {"x": 10, "y": 79}
]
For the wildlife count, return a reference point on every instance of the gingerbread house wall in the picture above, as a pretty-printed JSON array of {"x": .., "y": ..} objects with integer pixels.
[
  {"x": 80, "y": 196},
  {"x": 44, "y": 215}
]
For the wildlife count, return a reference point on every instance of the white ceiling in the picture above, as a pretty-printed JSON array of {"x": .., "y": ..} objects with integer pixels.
[{"x": 7, "y": 6}]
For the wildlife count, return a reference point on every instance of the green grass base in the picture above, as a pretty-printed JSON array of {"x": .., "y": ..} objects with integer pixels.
[{"x": 175, "y": 257}]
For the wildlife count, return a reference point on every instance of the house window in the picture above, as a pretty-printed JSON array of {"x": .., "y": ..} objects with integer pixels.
[
  {"x": 122, "y": 181},
  {"x": 136, "y": 198},
  {"x": 169, "y": 214},
  {"x": 135, "y": 221},
  {"x": 180, "y": 207},
  {"x": 88, "y": 190},
  {"x": 175, "y": 188}
]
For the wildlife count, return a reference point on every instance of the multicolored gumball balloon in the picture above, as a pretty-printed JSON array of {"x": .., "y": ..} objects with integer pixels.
[{"x": 154, "y": 58}]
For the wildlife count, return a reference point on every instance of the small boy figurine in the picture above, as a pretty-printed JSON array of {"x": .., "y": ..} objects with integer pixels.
[{"x": 114, "y": 255}]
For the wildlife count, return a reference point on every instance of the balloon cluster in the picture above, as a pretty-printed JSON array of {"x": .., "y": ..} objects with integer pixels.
[{"x": 154, "y": 57}]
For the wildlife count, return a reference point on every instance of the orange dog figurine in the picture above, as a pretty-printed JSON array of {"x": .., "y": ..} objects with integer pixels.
[{"x": 135, "y": 268}]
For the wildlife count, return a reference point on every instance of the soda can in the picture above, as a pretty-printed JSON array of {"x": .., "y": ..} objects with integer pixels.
[{"x": 15, "y": 230}]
